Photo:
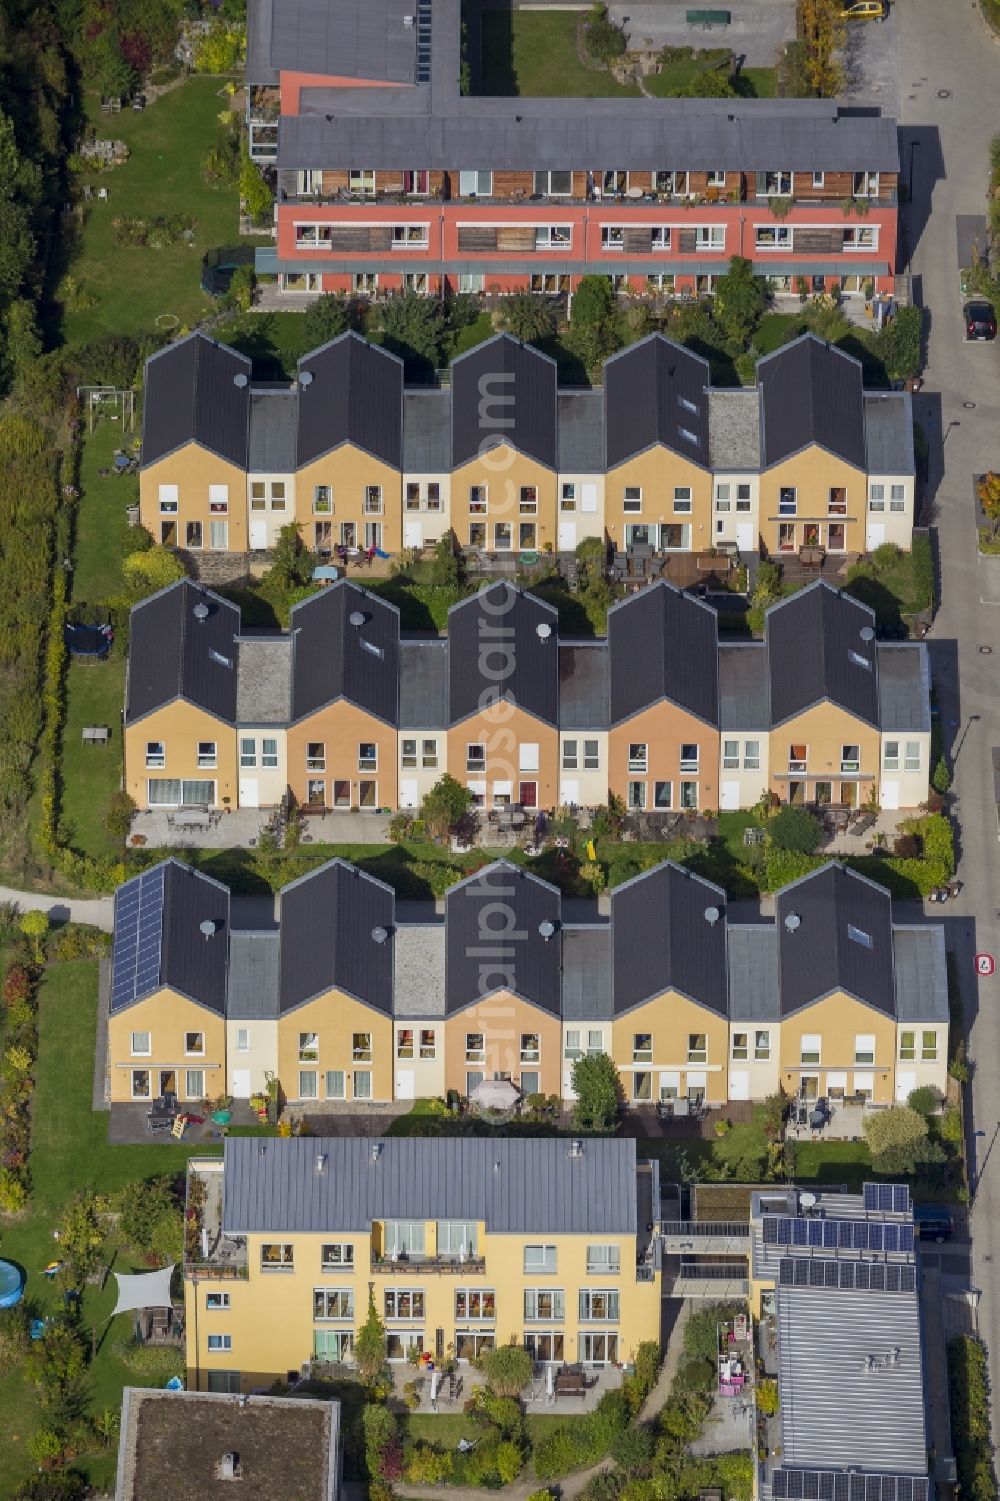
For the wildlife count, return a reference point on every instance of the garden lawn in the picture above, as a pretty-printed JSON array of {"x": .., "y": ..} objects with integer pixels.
[
  {"x": 133, "y": 286},
  {"x": 91, "y": 773},
  {"x": 533, "y": 53},
  {"x": 274, "y": 341},
  {"x": 69, "y": 1150},
  {"x": 100, "y": 515},
  {"x": 674, "y": 77}
]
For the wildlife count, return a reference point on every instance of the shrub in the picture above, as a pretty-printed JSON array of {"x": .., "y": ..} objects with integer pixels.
[
  {"x": 701, "y": 1332},
  {"x": 603, "y": 39},
  {"x": 950, "y": 1125},
  {"x": 507, "y": 1370},
  {"x": 767, "y": 1397},
  {"x": 795, "y": 830},
  {"x": 941, "y": 776},
  {"x": 895, "y": 1138},
  {"x": 118, "y": 819},
  {"x": 926, "y": 1100},
  {"x": 509, "y": 1460},
  {"x": 907, "y": 847},
  {"x": 968, "y": 1388},
  {"x": 632, "y": 1450},
  {"x": 13, "y": 1193},
  {"x": 596, "y": 1086},
  {"x": 428, "y": 1466},
  {"x": 156, "y": 1362},
  {"x": 16, "y": 985},
  {"x": 14, "y": 1336}
]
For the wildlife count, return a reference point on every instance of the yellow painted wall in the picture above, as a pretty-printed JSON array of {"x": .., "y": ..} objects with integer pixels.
[
  {"x": 664, "y": 728},
  {"x": 671, "y": 1018},
  {"x": 502, "y": 1018},
  {"x": 824, "y": 730},
  {"x": 192, "y": 469},
  {"x": 336, "y": 1017},
  {"x": 503, "y": 729},
  {"x": 838, "y": 1020},
  {"x": 342, "y": 727},
  {"x": 180, "y": 726},
  {"x": 348, "y": 470},
  {"x": 813, "y": 473},
  {"x": 657, "y": 472},
  {"x": 166, "y": 1016},
  {"x": 504, "y": 471}
]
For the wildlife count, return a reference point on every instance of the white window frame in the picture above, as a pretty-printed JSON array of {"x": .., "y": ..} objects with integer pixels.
[{"x": 545, "y": 1264}]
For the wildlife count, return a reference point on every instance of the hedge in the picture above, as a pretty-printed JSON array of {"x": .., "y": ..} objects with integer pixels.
[{"x": 968, "y": 1390}]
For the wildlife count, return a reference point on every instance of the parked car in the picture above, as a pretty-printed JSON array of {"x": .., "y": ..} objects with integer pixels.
[
  {"x": 980, "y": 320},
  {"x": 864, "y": 10},
  {"x": 933, "y": 1222}
]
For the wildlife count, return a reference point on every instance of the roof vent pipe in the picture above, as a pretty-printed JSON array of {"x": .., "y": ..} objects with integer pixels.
[
  {"x": 576, "y": 1147},
  {"x": 376, "y": 1150},
  {"x": 321, "y": 1162}
]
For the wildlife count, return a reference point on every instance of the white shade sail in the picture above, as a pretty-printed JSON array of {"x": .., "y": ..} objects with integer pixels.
[{"x": 143, "y": 1290}]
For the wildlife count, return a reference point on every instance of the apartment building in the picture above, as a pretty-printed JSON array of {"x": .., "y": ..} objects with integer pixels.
[
  {"x": 655, "y": 461},
  {"x": 657, "y": 194},
  {"x": 464, "y": 1245},
  {"x": 346, "y": 996},
  {"x": 342, "y": 713}
]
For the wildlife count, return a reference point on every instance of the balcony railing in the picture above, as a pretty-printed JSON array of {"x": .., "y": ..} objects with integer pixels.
[
  {"x": 721, "y": 199},
  {"x": 419, "y": 1266}
]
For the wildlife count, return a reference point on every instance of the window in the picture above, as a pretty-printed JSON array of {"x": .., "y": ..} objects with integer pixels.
[
  {"x": 659, "y": 237},
  {"x": 890, "y": 756},
  {"x": 743, "y": 497},
  {"x": 864, "y": 1048},
  {"x": 604, "y": 1259},
  {"x": 428, "y": 1042},
  {"x": 362, "y": 1084},
  {"x": 403, "y": 1238},
  {"x": 323, "y": 500},
  {"x": 599, "y": 1303},
  {"x": 168, "y": 500},
  {"x": 866, "y": 185},
  {"x": 269, "y": 754},
  {"x": 527, "y": 535},
  {"x": 787, "y": 502},
  {"x": 218, "y": 532},
  {"x": 475, "y": 1047},
  {"x": 741, "y": 1047},
  {"x": 928, "y": 1046},
  {"x": 797, "y": 757},
  {"x": 531, "y": 1047},
  {"x": 722, "y": 497},
  {"x": 774, "y": 184},
  {"x": 404, "y": 1042},
  {"x": 907, "y": 1047},
  {"x": 676, "y": 537},
  {"x": 637, "y": 796},
  {"x": 715, "y": 179},
  {"x": 850, "y": 758},
  {"x": 408, "y": 234},
  {"x": 277, "y": 1256},
  {"x": 501, "y": 536},
  {"x": 548, "y": 281},
  {"x": 142, "y": 1045},
  {"x": 140, "y": 1084},
  {"x": 333, "y": 1303},
  {"x": 632, "y": 500},
  {"x": 837, "y": 501},
  {"x": 876, "y": 497},
  {"x": 810, "y": 1047},
  {"x": 477, "y": 534},
  {"x": 638, "y": 757},
  {"x": 361, "y": 180},
  {"x": 612, "y": 237},
  {"x": 308, "y": 1047},
  {"x": 475, "y": 1303},
  {"x": 156, "y": 756},
  {"x": 697, "y": 1047},
  {"x": 591, "y": 755},
  {"x": 642, "y": 1087},
  {"x": 663, "y": 795},
  {"x": 243, "y": 1039},
  {"x": 541, "y": 1302},
  {"x": 554, "y": 184},
  {"x": 527, "y": 756},
  {"x": 861, "y": 237},
  {"x": 367, "y": 756},
  {"x": 219, "y": 1342},
  {"x": 682, "y": 498},
  {"x": 475, "y": 183},
  {"x": 773, "y": 237},
  {"x": 194, "y": 1044},
  {"x": 408, "y": 754},
  {"x": 661, "y": 281},
  {"x": 642, "y": 1047},
  {"x": 334, "y": 1084},
  {"x": 710, "y": 237},
  {"x": 671, "y": 182},
  {"x": 689, "y": 795},
  {"x": 553, "y": 236},
  {"x": 333, "y": 1344},
  {"x": 416, "y": 181},
  {"x": 818, "y": 179},
  {"x": 897, "y": 497},
  {"x": 404, "y": 1303},
  {"x": 539, "y": 1258},
  {"x": 570, "y": 758},
  {"x": 471, "y": 281},
  {"x": 336, "y": 1254},
  {"x": 365, "y": 281},
  {"x": 528, "y": 503},
  {"x": 361, "y": 1047},
  {"x": 373, "y": 500},
  {"x": 761, "y": 1046},
  {"x": 689, "y": 758},
  {"x": 598, "y": 1349},
  {"x": 475, "y": 758},
  {"x": 216, "y": 1301},
  {"x": 911, "y": 759},
  {"x": 206, "y": 754},
  {"x": 751, "y": 755},
  {"x": 316, "y": 755}
]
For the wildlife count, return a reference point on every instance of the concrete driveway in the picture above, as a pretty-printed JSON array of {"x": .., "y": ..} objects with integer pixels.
[
  {"x": 871, "y": 62},
  {"x": 950, "y": 70}
]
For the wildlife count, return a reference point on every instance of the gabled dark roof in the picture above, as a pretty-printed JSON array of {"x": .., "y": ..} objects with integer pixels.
[
  {"x": 503, "y": 391},
  {"x": 329, "y": 922},
  {"x": 495, "y": 652},
  {"x": 816, "y": 652},
  {"x": 583, "y": 685},
  {"x": 355, "y": 396},
  {"x": 662, "y": 940},
  {"x": 158, "y": 940},
  {"x": 192, "y": 396},
  {"x": 500, "y": 900},
  {"x": 656, "y": 392},
  {"x": 842, "y": 940},
  {"x": 423, "y": 685},
  {"x": 333, "y": 658},
  {"x": 811, "y": 392},
  {"x": 174, "y": 655},
  {"x": 663, "y": 644}
]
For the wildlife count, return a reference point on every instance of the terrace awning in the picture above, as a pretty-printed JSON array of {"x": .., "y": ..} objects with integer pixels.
[{"x": 143, "y": 1290}]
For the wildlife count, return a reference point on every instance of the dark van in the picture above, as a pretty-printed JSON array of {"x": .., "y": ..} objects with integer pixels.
[{"x": 933, "y": 1222}]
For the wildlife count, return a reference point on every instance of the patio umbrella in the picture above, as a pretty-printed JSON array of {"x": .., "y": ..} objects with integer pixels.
[{"x": 495, "y": 1094}]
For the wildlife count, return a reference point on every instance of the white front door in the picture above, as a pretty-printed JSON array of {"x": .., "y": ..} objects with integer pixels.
[
  {"x": 258, "y": 536},
  {"x": 729, "y": 795},
  {"x": 413, "y": 534},
  {"x": 404, "y": 1084},
  {"x": 569, "y": 793},
  {"x": 567, "y": 536},
  {"x": 905, "y": 1085},
  {"x": 876, "y": 535},
  {"x": 739, "y": 1084},
  {"x": 889, "y": 795},
  {"x": 408, "y": 795},
  {"x": 240, "y": 1085},
  {"x": 744, "y": 536},
  {"x": 249, "y": 792}
]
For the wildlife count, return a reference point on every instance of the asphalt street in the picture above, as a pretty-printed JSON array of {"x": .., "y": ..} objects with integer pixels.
[{"x": 949, "y": 71}]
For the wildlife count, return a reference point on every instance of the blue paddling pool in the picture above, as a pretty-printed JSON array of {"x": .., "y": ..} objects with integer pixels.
[{"x": 11, "y": 1284}]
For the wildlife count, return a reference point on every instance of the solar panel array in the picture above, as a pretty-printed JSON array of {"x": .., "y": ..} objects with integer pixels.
[
  {"x": 135, "y": 964},
  {"x": 848, "y": 1276},
  {"x": 886, "y": 1198},
  {"x": 842, "y": 1235},
  {"x": 843, "y": 1485}
]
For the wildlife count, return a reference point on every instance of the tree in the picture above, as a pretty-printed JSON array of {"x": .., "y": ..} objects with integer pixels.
[
  {"x": 926, "y": 1100},
  {"x": 527, "y": 316},
  {"x": 146, "y": 572},
  {"x": 24, "y": 342},
  {"x": 603, "y": 39},
  {"x": 369, "y": 1346},
  {"x": 823, "y": 34},
  {"x": 118, "y": 819},
  {"x": 897, "y": 345},
  {"x": 710, "y": 83},
  {"x": 445, "y": 570},
  {"x": 81, "y": 1236},
  {"x": 739, "y": 300},
  {"x": 35, "y": 927},
  {"x": 293, "y": 562},
  {"x": 445, "y": 805},
  {"x": 795, "y": 829},
  {"x": 254, "y": 191},
  {"x": 222, "y": 50},
  {"x": 633, "y": 1449},
  {"x": 507, "y": 1369},
  {"x": 895, "y": 1138},
  {"x": 593, "y": 320},
  {"x": 413, "y": 327},
  {"x": 325, "y": 319},
  {"x": 988, "y": 491},
  {"x": 597, "y": 1089},
  {"x": 766, "y": 592},
  {"x": 145, "y": 1206},
  {"x": 110, "y": 360},
  {"x": 241, "y": 288}
]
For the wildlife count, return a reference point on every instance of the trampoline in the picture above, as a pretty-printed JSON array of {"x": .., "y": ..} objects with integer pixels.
[
  {"x": 11, "y": 1284},
  {"x": 88, "y": 640}
]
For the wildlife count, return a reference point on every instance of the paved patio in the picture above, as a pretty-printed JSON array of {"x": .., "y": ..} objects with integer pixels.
[
  {"x": 241, "y": 829},
  {"x": 846, "y": 1124},
  {"x": 728, "y": 1427},
  {"x": 453, "y": 1394},
  {"x": 127, "y": 1126}
]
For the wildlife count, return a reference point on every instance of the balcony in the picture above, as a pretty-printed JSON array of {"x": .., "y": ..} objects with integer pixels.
[
  {"x": 208, "y": 1253},
  {"x": 434, "y": 1266}
]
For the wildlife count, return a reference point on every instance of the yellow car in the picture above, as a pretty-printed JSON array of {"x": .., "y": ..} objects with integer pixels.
[{"x": 865, "y": 10}]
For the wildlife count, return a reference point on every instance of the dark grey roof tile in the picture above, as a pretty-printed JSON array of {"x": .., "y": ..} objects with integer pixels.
[
  {"x": 663, "y": 644},
  {"x": 656, "y": 392},
  {"x": 197, "y": 391},
  {"x": 581, "y": 432},
  {"x": 480, "y": 960},
  {"x": 753, "y": 972},
  {"x": 336, "y": 934},
  {"x": 273, "y": 422},
  {"x": 355, "y": 395},
  {"x": 587, "y": 986},
  {"x": 427, "y": 431},
  {"x": 743, "y": 687},
  {"x": 583, "y": 685},
  {"x": 811, "y": 392},
  {"x": 495, "y": 653},
  {"x": 158, "y": 940},
  {"x": 264, "y": 679},
  {"x": 333, "y": 658},
  {"x": 817, "y": 651},
  {"x": 503, "y": 391},
  {"x": 889, "y": 433},
  {"x": 254, "y": 976},
  {"x": 689, "y": 952},
  {"x": 345, "y": 39},
  {"x": 834, "y": 933},
  {"x": 173, "y": 654},
  {"x": 423, "y": 685},
  {"x": 904, "y": 686}
]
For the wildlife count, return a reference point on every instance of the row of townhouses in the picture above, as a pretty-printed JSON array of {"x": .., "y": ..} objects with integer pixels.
[
  {"x": 363, "y": 122},
  {"x": 656, "y": 457},
  {"x": 343, "y": 711},
  {"x": 347, "y": 995}
]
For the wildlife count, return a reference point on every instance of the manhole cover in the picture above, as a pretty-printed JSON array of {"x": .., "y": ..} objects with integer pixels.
[
  {"x": 986, "y": 651},
  {"x": 944, "y": 93},
  {"x": 970, "y": 406}
]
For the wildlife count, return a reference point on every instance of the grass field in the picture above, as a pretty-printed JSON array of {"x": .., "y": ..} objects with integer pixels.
[
  {"x": 134, "y": 286},
  {"x": 674, "y": 77},
  {"x": 533, "y": 53},
  {"x": 69, "y": 1150},
  {"x": 100, "y": 519}
]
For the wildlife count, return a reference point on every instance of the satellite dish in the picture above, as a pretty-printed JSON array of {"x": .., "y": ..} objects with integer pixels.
[
  {"x": 380, "y": 934},
  {"x": 712, "y": 915},
  {"x": 207, "y": 928},
  {"x": 357, "y": 619},
  {"x": 543, "y": 631},
  {"x": 305, "y": 378},
  {"x": 807, "y": 1200},
  {"x": 201, "y": 612},
  {"x": 546, "y": 929},
  {"x": 867, "y": 633},
  {"x": 240, "y": 380},
  {"x": 793, "y": 922}
]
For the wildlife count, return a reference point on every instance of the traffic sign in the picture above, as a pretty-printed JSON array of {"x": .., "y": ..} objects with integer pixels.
[{"x": 985, "y": 964}]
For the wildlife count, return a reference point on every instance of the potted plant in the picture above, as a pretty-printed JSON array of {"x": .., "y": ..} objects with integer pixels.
[{"x": 222, "y": 1109}]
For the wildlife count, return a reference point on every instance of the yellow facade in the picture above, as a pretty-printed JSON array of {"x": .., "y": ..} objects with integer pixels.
[
  {"x": 658, "y": 475},
  {"x": 839, "y": 1046},
  {"x": 521, "y": 753},
  {"x": 365, "y": 496},
  {"x": 350, "y": 1039},
  {"x": 517, "y": 1037},
  {"x": 823, "y": 773},
  {"x": 180, "y": 728},
  {"x": 662, "y": 731},
  {"x": 326, "y": 765},
  {"x": 178, "y": 1044},
  {"x": 828, "y": 493},
  {"x": 671, "y": 1043},
  {"x": 192, "y": 488},
  {"x": 506, "y": 489}
]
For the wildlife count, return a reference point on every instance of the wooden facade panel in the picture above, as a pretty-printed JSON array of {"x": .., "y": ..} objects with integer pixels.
[
  {"x": 686, "y": 241},
  {"x": 818, "y": 241},
  {"x": 638, "y": 241},
  {"x": 513, "y": 184},
  {"x": 472, "y": 237},
  {"x": 334, "y": 181},
  {"x": 515, "y": 237},
  {"x": 380, "y": 237},
  {"x": 343, "y": 237}
]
